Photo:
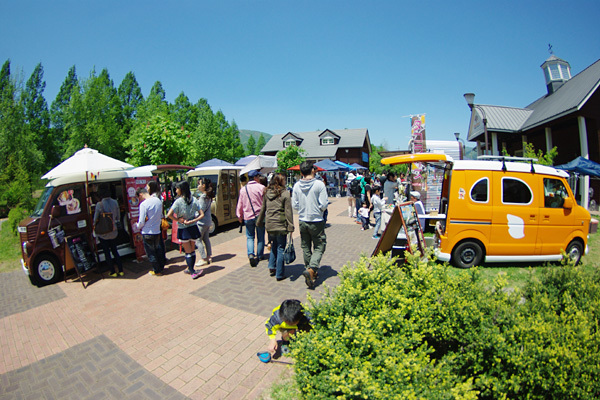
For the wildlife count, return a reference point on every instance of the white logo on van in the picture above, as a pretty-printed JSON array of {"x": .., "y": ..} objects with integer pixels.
[{"x": 516, "y": 226}]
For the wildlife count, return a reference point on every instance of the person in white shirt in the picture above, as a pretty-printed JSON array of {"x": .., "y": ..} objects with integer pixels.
[
  {"x": 150, "y": 217},
  {"x": 378, "y": 204},
  {"x": 416, "y": 198}
]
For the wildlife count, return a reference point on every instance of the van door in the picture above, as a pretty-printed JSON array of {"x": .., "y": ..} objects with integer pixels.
[
  {"x": 515, "y": 214},
  {"x": 556, "y": 223}
]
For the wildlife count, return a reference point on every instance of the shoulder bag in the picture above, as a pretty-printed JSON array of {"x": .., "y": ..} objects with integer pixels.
[{"x": 289, "y": 254}]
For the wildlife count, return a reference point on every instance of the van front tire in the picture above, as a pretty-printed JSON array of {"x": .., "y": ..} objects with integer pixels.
[
  {"x": 575, "y": 251},
  {"x": 46, "y": 270},
  {"x": 467, "y": 254},
  {"x": 213, "y": 226}
]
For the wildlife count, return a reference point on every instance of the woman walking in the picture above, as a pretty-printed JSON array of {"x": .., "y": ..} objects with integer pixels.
[
  {"x": 207, "y": 194},
  {"x": 186, "y": 213},
  {"x": 276, "y": 215}
]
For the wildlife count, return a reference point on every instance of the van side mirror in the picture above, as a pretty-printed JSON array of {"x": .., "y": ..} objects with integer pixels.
[
  {"x": 568, "y": 203},
  {"x": 55, "y": 212}
]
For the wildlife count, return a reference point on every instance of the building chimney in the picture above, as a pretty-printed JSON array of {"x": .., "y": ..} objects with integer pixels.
[{"x": 556, "y": 72}]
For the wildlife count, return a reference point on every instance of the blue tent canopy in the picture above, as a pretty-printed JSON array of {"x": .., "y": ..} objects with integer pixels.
[
  {"x": 345, "y": 167},
  {"x": 242, "y": 162},
  {"x": 328, "y": 165},
  {"x": 214, "y": 162},
  {"x": 582, "y": 166},
  {"x": 358, "y": 166}
]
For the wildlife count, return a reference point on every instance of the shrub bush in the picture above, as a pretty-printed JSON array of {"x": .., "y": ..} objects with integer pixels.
[
  {"x": 15, "y": 216},
  {"x": 419, "y": 332}
]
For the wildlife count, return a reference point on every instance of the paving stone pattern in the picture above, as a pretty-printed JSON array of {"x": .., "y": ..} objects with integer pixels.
[
  {"x": 18, "y": 295},
  {"x": 253, "y": 290},
  {"x": 95, "y": 369}
]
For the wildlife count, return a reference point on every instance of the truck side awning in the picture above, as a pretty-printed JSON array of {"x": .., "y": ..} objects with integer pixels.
[{"x": 417, "y": 157}]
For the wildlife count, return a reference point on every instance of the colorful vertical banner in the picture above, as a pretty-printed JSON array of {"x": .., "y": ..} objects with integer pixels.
[
  {"x": 131, "y": 185},
  {"x": 417, "y": 133}
]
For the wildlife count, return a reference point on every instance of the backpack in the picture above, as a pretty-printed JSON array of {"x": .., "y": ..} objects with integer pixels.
[
  {"x": 104, "y": 224},
  {"x": 355, "y": 188}
]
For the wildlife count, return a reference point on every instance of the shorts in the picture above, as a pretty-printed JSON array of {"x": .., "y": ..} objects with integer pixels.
[{"x": 189, "y": 233}]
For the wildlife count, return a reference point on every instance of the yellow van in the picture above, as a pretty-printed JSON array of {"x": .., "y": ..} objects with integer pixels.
[
  {"x": 226, "y": 182},
  {"x": 499, "y": 210}
]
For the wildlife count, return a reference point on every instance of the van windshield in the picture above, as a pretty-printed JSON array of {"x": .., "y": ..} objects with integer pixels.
[{"x": 39, "y": 207}]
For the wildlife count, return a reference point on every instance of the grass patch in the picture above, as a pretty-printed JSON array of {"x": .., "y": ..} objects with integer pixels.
[
  {"x": 10, "y": 249},
  {"x": 285, "y": 388}
]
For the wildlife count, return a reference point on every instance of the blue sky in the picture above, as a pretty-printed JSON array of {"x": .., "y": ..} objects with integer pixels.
[{"x": 280, "y": 66}]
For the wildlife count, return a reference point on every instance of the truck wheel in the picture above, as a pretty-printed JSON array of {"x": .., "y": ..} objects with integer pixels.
[
  {"x": 213, "y": 226},
  {"x": 575, "y": 251},
  {"x": 47, "y": 270},
  {"x": 467, "y": 254}
]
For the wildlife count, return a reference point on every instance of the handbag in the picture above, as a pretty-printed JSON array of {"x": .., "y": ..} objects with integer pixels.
[
  {"x": 104, "y": 224},
  {"x": 164, "y": 224},
  {"x": 289, "y": 254}
]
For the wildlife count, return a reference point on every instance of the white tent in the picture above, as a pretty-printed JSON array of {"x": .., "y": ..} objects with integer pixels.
[
  {"x": 264, "y": 164},
  {"x": 85, "y": 163}
]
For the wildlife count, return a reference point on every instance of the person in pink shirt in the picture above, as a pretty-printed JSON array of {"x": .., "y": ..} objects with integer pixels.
[{"x": 247, "y": 210}]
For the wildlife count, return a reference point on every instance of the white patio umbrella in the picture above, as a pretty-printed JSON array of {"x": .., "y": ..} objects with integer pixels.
[{"x": 86, "y": 161}]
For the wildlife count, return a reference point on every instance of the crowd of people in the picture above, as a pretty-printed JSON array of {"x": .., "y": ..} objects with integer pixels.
[{"x": 265, "y": 207}]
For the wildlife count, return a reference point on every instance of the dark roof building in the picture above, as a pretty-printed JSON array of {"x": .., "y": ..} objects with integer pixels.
[
  {"x": 346, "y": 145},
  {"x": 567, "y": 116}
]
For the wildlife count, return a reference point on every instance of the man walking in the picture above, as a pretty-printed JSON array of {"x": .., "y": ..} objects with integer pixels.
[
  {"x": 248, "y": 208},
  {"x": 151, "y": 213},
  {"x": 309, "y": 198}
]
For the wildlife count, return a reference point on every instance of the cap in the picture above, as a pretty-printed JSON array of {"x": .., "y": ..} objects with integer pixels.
[
  {"x": 416, "y": 194},
  {"x": 351, "y": 176},
  {"x": 253, "y": 173}
]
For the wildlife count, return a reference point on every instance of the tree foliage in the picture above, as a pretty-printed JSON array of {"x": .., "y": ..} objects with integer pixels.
[
  {"x": 260, "y": 143},
  {"x": 289, "y": 157},
  {"x": 251, "y": 146}
]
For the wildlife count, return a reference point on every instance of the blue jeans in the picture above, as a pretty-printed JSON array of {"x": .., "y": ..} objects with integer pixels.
[
  {"x": 253, "y": 231},
  {"x": 110, "y": 246},
  {"x": 155, "y": 250},
  {"x": 276, "y": 258},
  {"x": 377, "y": 223}
]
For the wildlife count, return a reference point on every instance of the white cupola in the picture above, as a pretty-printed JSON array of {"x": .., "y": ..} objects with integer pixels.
[{"x": 557, "y": 72}]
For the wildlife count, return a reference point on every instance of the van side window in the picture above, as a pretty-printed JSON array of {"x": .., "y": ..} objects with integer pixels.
[
  {"x": 515, "y": 191},
  {"x": 479, "y": 191},
  {"x": 555, "y": 193}
]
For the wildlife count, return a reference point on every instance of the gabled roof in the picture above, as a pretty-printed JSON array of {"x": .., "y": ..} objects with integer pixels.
[
  {"x": 568, "y": 98},
  {"x": 290, "y": 135},
  {"x": 329, "y": 132},
  {"x": 311, "y": 142}
]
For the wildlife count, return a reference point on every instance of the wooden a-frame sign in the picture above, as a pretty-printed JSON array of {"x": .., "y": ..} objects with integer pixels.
[{"x": 404, "y": 217}]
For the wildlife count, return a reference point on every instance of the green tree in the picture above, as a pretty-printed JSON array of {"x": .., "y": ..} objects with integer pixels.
[
  {"x": 289, "y": 157},
  {"x": 260, "y": 143},
  {"x": 37, "y": 117},
  {"x": 96, "y": 118},
  {"x": 20, "y": 159},
  {"x": 130, "y": 96},
  {"x": 155, "y": 104},
  {"x": 251, "y": 146},
  {"x": 59, "y": 110},
  {"x": 376, "y": 167},
  {"x": 215, "y": 137},
  {"x": 160, "y": 141},
  {"x": 183, "y": 112}
]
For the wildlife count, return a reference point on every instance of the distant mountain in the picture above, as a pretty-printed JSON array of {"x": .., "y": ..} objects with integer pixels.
[{"x": 246, "y": 133}]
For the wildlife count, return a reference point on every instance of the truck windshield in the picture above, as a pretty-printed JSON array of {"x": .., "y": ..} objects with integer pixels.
[{"x": 39, "y": 207}]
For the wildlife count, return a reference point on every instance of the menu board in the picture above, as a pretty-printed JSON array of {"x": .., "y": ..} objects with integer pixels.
[{"x": 81, "y": 252}]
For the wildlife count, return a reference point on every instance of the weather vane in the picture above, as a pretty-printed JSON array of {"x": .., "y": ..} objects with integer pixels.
[{"x": 550, "y": 49}]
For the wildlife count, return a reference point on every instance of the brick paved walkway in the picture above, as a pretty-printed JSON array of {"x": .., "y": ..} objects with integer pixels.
[{"x": 158, "y": 337}]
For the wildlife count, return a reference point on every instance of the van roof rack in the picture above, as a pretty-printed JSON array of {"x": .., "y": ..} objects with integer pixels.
[{"x": 508, "y": 158}]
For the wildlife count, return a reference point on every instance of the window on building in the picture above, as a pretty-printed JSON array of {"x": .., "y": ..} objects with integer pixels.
[
  {"x": 479, "y": 191},
  {"x": 288, "y": 143},
  {"x": 326, "y": 141},
  {"x": 566, "y": 74},
  {"x": 515, "y": 191}
]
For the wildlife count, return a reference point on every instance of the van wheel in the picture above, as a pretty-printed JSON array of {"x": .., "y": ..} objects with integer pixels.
[
  {"x": 47, "y": 270},
  {"x": 575, "y": 251},
  {"x": 213, "y": 226},
  {"x": 467, "y": 254}
]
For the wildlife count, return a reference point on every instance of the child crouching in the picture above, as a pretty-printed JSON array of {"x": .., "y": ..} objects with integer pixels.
[{"x": 287, "y": 319}]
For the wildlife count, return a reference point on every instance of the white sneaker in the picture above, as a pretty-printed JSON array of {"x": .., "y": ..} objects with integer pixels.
[{"x": 201, "y": 263}]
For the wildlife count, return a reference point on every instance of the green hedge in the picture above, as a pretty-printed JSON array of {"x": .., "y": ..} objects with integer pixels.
[{"x": 420, "y": 332}]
